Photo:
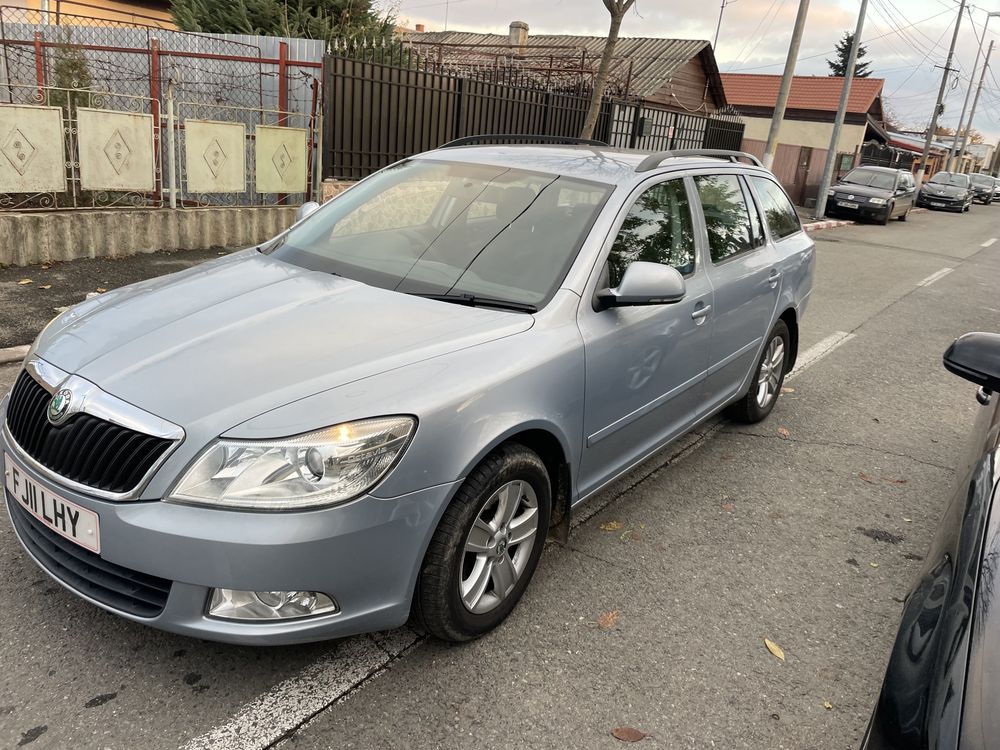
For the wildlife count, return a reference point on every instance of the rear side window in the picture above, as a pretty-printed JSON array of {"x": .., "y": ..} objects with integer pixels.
[
  {"x": 781, "y": 217},
  {"x": 727, "y": 218},
  {"x": 657, "y": 229}
]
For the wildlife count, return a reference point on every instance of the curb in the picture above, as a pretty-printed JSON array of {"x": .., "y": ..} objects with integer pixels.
[
  {"x": 815, "y": 226},
  {"x": 13, "y": 354}
]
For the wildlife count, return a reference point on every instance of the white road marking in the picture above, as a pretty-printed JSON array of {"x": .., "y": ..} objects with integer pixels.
[
  {"x": 989, "y": 242},
  {"x": 935, "y": 276},
  {"x": 817, "y": 351},
  {"x": 266, "y": 719}
]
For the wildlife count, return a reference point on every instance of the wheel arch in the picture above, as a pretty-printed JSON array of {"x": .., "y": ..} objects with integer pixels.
[{"x": 791, "y": 319}]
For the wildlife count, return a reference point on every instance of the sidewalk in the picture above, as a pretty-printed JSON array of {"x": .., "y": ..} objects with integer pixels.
[{"x": 31, "y": 295}]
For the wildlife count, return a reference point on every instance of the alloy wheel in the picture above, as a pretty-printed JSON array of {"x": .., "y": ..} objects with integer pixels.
[{"x": 771, "y": 370}]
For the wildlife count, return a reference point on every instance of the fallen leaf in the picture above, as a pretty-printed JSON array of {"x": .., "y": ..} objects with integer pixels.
[
  {"x": 627, "y": 734},
  {"x": 873, "y": 564},
  {"x": 45, "y": 286},
  {"x": 22, "y": 282},
  {"x": 101, "y": 290},
  {"x": 908, "y": 520},
  {"x": 783, "y": 432},
  {"x": 891, "y": 480},
  {"x": 774, "y": 648},
  {"x": 630, "y": 536},
  {"x": 827, "y": 705},
  {"x": 612, "y": 526},
  {"x": 865, "y": 477},
  {"x": 787, "y": 390},
  {"x": 45, "y": 268},
  {"x": 608, "y": 620},
  {"x": 729, "y": 507}
]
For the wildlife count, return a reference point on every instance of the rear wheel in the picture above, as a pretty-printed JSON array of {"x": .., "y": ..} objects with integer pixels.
[
  {"x": 486, "y": 546},
  {"x": 765, "y": 387}
]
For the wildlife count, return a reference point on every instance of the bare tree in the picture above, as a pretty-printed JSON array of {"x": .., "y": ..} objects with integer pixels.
[{"x": 617, "y": 9}]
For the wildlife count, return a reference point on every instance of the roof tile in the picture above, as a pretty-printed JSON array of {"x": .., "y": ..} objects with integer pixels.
[{"x": 820, "y": 93}]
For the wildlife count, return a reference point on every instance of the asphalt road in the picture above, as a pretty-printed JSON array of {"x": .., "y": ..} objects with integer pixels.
[{"x": 734, "y": 535}]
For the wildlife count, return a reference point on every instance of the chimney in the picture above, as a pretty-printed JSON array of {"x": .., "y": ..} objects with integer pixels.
[
  {"x": 518, "y": 35},
  {"x": 420, "y": 28}
]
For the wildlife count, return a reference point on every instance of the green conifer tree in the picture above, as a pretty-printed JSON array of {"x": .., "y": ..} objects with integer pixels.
[{"x": 838, "y": 66}]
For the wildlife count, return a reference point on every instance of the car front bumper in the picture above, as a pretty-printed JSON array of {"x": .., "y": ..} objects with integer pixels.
[
  {"x": 932, "y": 201},
  {"x": 863, "y": 211},
  {"x": 365, "y": 554}
]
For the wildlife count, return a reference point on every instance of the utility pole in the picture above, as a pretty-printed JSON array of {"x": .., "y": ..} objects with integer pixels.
[
  {"x": 838, "y": 124},
  {"x": 786, "y": 84},
  {"x": 954, "y": 153},
  {"x": 940, "y": 97},
  {"x": 718, "y": 26},
  {"x": 975, "y": 102}
]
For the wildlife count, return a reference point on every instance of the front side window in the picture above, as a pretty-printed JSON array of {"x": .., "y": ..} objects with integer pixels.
[
  {"x": 726, "y": 216},
  {"x": 779, "y": 212},
  {"x": 657, "y": 229},
  {"x": 443, "y": 228}
]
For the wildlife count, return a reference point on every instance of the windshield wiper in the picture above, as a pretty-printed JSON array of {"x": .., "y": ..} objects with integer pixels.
[{"x": 475, "y": 300}]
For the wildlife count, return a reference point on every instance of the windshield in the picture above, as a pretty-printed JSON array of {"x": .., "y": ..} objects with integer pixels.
[
  {"x": 982, "y": 179},
  {"x": 871, "y": 178},
  {"x": 426, "y": 227},
  {"x": 947, "y": 178}
]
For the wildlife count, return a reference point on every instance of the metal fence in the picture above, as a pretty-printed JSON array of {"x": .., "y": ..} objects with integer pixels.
[
  {"x": 385, "y": 104},
  {"x": 76, "y": 64}
]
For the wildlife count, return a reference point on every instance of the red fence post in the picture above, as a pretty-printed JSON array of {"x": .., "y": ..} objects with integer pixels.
[
  {"x": 40, "y": 67},
  {"x": 154, "y": 107},
  {"x": 282, "y": 81}
]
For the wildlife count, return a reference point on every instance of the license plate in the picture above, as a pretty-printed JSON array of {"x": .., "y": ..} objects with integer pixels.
[
  {"x": 847, "y": 204},
  {"x": 937, "y": 205},
  {"x": 67, "y": 519}
]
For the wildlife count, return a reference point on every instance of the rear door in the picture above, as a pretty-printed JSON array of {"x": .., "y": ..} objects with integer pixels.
[{"x": 743, "y": 269}]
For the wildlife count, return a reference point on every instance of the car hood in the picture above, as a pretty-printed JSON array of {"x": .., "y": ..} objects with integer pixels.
[
  {"x": 865, "y": 191},
  {"x": 952, "y": 191},
  {"x": 223, "y": 342}
]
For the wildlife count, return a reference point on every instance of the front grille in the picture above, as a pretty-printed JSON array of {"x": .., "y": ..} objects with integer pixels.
[
  {"x": 118, "y": 587},
  {"x": 85, "y": 448}
]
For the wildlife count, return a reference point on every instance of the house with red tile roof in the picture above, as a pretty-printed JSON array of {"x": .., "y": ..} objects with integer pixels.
[{"x": 807, "y": 127}]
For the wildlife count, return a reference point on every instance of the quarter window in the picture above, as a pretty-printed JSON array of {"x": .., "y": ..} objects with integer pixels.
[
  {"x": 781, "y": 217},
  {"x": 726, "y": 216},
  {"x": 657, "y": 229}
]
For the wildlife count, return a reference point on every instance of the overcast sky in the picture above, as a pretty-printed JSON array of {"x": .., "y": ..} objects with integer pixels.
[{"x": 903, "y": 49}]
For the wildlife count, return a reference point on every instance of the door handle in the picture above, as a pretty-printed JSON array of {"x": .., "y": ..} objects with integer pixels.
[
  {"x": 774, "y": 278},
  {"x": 701, "y": 313}
]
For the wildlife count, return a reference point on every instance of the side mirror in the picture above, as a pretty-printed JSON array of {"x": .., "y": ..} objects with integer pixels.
[
  {"x": 305, "y": 209},
  {"x": 645, "y": 284},
  {"x": 976, "y": 357}
]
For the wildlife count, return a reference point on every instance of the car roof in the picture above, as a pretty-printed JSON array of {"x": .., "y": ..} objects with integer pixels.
[
  {"x": 596, "y": 163},
  {"x": 873, "y": 168}
]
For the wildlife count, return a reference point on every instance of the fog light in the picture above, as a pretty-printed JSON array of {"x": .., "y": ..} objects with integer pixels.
[{"x": 230, "y": 604}]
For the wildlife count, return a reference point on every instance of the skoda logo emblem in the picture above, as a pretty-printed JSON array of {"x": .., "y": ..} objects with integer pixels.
[{"x": 59, "y": 405}]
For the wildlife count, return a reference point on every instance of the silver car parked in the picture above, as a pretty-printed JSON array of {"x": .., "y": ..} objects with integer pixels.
[{"x": 381, "y": 414}]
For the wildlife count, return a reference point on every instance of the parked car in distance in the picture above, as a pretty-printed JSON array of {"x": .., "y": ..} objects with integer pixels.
[
  {"x": 875, "y": 193},
  {"x": 382, "y": 412},
  {"x": 941, "y": 683},
  {"x": 996, "y": 189},
  {"x": 983, "y": 188},
  {"x": 950, "y": 191}
]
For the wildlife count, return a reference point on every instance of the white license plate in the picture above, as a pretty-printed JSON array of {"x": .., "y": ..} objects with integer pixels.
[
  {"x": 937, "y": 205},
  {"x": 847, "y": 204},
  {"x": 67, "y": 519}
]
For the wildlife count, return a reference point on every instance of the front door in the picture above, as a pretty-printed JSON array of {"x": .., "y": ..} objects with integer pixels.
[
  {"x": 744, "y": 272},
  {"x": 644, "y": 365}
]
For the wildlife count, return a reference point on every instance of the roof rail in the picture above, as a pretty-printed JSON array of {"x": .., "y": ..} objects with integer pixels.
[
  {"x": 472, "y": 140},
  {"x": 654, "y": 160}
]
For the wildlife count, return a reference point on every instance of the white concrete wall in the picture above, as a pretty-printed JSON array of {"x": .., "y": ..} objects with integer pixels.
[{"x": 803, "y": 133}]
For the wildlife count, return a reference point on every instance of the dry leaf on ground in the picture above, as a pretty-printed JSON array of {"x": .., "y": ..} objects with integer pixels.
[
  {"x": 774, "y": 648},
  {"x": 612, "y": 526},
  {"x": 101, "y": 290},
  {"x": 783, "y": 432},
  {"x": 630, "y": 535},
  {"x": 827, "y": 705},
  {"x": 45, "y": 286},
  {"x": 892, "y": 480},
  {"x": 865, "y": 477},
  {"x": 608, "y": 620},
  {"x": 627, "y": 734},
  {"x": 786, "y": 389},
  {"x": 22, "y": 282},
  {"x": 873, "y": 564},
  {"x": 729, "y": 507}
]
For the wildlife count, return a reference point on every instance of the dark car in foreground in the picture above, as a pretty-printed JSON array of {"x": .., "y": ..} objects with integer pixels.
[
  {"x": 944, "y": 672},
  {"x": 983, "y": 187},
  {"x": 874, "y": 193},
  {"x": 946, "y": 190}
]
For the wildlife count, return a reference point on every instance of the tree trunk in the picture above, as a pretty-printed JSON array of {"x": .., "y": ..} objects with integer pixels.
[{"x": 601, "y": 82}]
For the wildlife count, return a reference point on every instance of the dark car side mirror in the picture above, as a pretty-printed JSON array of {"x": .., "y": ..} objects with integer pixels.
[
  {"x": 645, "y": 283},
  {"x": 976, "y": 357}
]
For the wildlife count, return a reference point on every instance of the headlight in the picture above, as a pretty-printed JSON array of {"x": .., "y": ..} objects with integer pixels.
[
  {"x": 877, "y": 201},
  {"x": 831, "y": 193},
  {"x": 319, "y": 468}
]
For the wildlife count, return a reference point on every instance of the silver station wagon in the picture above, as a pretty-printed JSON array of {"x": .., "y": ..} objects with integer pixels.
[{"x": 380, "y": 415}]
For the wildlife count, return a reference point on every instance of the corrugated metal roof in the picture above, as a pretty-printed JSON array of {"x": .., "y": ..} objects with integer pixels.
[{"x": 654, "y": 60}]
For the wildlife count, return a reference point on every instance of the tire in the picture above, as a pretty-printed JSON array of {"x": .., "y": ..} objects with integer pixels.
[
  {"x": 749, "y": 409},
  {"x": 902, "y": 216},
  {"x": 438, "y": 603},
  {"x": 884, "y": 221}
]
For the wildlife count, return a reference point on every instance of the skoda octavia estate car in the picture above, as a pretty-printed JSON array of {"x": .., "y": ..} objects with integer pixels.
[{"x": 380, "y": 414}]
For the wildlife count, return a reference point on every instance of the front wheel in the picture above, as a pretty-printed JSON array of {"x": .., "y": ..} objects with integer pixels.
[
  {"x": 888, "y": 215},
  {"x": 486, "y": 546},
  {"x": 902, "y": 216},
  {"x": 765, "y": 387}
]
